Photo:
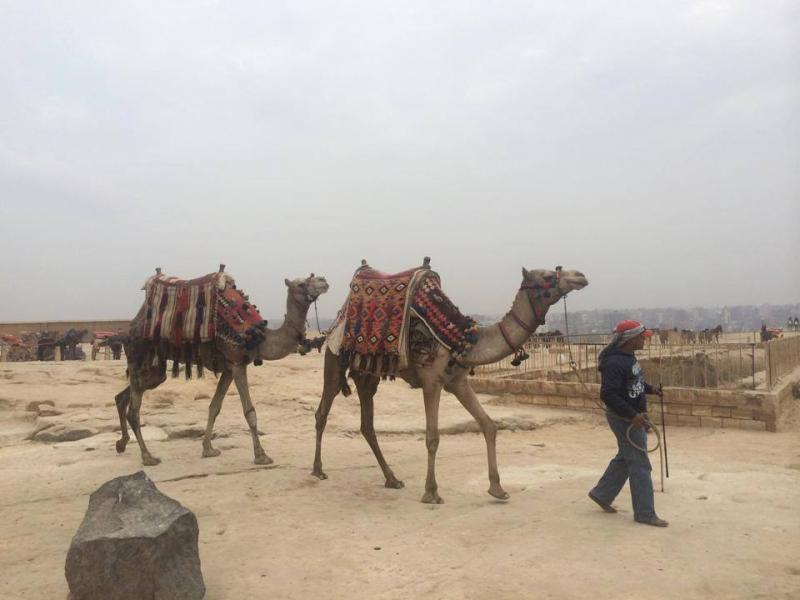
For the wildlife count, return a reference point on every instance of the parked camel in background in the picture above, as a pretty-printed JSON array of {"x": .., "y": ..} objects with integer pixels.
[
  {"x": 147, "y": 369},
  {"x": 436, "y": 371},
  {"x": 69, "y": 345}
]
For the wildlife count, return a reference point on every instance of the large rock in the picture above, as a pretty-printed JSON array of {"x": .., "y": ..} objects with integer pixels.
[{"x": 135, "y": 543}]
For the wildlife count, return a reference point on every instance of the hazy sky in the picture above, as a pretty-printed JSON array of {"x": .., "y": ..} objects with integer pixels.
[{"x": 653, "y": 145}]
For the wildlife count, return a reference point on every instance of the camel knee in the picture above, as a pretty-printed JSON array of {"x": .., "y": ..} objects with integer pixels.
[
  {"x": 321, "y": 421},
  {"x": 432, "y": 443},
  {"x": 250, "y": 417}
]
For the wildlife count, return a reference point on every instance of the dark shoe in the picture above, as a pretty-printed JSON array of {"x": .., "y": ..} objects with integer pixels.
[
  {"x": 654, "y": 521},
  {"x": 606, "y": 507}
]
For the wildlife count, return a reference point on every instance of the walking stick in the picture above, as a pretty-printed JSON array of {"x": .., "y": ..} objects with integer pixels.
[{"x": 663, "y": 426}]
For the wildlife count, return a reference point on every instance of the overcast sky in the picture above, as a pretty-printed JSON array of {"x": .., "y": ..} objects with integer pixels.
[{"x": 653, "y": 145}]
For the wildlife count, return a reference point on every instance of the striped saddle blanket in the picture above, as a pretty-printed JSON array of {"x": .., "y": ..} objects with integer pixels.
[{"x": 207, "y": 309}]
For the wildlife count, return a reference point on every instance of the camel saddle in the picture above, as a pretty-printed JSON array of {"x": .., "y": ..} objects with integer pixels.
[
  {"x": 372, "y": 331},
  {"x": 186, "y": 313}
]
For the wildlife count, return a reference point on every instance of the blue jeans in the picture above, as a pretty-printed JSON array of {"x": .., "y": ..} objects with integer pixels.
[{"x": 628, "y": 463}]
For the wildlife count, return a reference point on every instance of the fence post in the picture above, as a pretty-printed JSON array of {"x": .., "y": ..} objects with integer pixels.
[{"x": 768, "y": 365}]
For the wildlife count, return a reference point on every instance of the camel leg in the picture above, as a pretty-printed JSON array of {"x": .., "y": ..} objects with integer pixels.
[
  {"x": 469, "y": 400},
  {"x": 367, "y": 386},
  {"x": 213, "y": 410},
  {"x": 240, "y": 379},
  {"x": 330, "y": 389},
  {"x": 136, "y": 394},
  {"x": 123, "y": 400},
  {"x": 432, "y": 393}
]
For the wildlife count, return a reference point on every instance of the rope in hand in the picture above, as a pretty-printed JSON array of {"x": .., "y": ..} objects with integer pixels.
[{"x": 650, "y": 424}]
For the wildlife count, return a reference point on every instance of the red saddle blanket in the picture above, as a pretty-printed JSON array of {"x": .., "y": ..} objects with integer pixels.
[
  {"x": 379, "y": 309},
  {"x": 206, "y": 309}
]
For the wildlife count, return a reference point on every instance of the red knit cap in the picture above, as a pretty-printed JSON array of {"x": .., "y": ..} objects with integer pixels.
[{"x": 630, "y": 324}]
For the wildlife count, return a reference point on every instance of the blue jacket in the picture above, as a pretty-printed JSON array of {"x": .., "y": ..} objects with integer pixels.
[{"x": 623, "y": 387}]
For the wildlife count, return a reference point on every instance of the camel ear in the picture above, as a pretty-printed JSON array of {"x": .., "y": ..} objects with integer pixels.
[
  {"x": 525, "y": 273},
  {"x": 287, "y": 282}
]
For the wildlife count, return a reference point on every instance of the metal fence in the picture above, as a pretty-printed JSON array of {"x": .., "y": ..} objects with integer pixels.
[{"x": 727, "y": 365}]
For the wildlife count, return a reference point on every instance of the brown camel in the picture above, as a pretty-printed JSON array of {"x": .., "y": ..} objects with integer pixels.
[
  {"x": 436, "y": 371},
  {"x": 147, "y": 369}
]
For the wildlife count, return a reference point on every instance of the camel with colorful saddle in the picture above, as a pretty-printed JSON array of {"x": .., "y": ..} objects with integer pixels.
[
  {"x": 404, "y": 325},
  {"x": 207, "y": 323}
]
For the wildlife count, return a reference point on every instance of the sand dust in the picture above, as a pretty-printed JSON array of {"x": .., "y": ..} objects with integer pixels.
[{"x": 733, "y": 498}]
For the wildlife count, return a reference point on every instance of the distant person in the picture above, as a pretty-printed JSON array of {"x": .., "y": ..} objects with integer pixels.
[
  {"x": 766, "y": 334},
  {"x": 796, "y": 324},
  {"x": 623, "y": 390}
]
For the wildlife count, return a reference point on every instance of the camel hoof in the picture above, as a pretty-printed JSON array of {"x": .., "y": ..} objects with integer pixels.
[
  {"x": 262, "y": 459},
  {"x": 150, "y": 461},
  {"x": 499, "y": 493},
  {"x": 432, "y": 498},
  {"x": 395, "y": 484},
  {"x": 319, "y": 474},
  {"x": 211, "y": 452},
  {"x": 121, "y": 444}
]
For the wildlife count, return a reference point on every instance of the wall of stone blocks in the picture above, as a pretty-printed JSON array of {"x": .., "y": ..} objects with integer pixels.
[{"x": 739, "y": 409}]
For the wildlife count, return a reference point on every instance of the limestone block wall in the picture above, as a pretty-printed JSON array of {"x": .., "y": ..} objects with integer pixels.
[{"x": 697, "y": 407}]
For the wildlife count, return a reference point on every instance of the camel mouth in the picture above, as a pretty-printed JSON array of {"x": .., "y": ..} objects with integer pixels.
[
  {"x": 573, "y": 282},
  {"x": 312, "y": 296}
]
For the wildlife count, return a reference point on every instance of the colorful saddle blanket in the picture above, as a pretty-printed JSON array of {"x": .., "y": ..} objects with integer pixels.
[
  {"x": 376, "y": 317},
  {"x": 206, "y": 309}
]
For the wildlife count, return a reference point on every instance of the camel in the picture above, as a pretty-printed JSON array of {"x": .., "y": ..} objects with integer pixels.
[
  {"x": 436, "y": 370},
  {"x": 147, "y": 369},
  {"x": 70, "y": 344}
]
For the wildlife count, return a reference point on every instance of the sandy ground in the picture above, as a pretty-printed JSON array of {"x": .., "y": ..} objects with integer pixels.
[{"x": 733, "y": 498}]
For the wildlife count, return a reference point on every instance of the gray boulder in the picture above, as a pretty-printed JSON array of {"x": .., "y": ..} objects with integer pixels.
[{"x": 135, "y": 543}]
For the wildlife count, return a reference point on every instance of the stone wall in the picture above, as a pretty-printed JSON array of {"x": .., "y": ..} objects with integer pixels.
[{"x": 739, "y": 409}]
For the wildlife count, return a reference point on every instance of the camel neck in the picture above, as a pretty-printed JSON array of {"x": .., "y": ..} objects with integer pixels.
[
  {"x": 283, "y": 341},
  {"x": 495, "y": 341},
  {"x": 295, "y": 318}
]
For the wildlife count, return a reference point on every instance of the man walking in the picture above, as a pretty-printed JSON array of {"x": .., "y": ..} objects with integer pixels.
[{"x": 623, "y": 390}]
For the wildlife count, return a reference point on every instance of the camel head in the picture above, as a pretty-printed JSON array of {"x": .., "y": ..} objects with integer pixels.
[
  {"x": 548, "y": 287},
  {"x": 306, "y": 291}
]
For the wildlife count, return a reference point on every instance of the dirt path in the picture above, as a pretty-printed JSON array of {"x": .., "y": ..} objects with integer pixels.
[{"x": 277, "y": 532}]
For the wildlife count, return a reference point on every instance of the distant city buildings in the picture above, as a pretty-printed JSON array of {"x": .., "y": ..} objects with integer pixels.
[{"x": 734, "y": 318}]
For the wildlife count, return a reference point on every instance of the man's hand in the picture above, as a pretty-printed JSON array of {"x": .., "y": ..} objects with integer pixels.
[{"x": 639, "y": 421}]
